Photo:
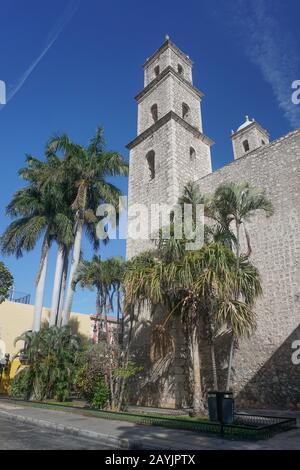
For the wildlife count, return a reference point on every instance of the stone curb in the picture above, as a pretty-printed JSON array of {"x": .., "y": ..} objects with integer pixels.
[{"x": 120, "y": 443}]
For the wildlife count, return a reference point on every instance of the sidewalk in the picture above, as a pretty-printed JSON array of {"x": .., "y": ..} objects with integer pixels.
[{"x": 124, "y": 435}]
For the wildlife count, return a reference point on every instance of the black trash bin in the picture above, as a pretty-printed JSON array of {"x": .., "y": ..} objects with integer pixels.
[{"x": 221, "y": 407}]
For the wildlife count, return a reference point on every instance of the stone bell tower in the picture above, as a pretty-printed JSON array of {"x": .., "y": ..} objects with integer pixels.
[
  {"x": 170, "y": 148},
  {"x": 249, "y": 136}
]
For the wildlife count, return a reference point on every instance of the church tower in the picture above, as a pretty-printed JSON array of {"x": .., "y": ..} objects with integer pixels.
[
  {"x": 170, "y": 148},
  {"x": 249, "y": 136}
]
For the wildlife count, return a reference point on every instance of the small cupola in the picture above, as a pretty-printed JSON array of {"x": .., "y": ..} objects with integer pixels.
[{"x": 248, "y": 137}]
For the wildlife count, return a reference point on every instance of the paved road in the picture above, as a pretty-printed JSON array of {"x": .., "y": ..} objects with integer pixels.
[
  {"x": 24, "y": 436},
  {"x": 37, "y": 436}
]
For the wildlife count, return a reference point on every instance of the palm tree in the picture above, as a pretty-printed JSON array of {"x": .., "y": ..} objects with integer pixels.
[
  {"x": 50, "y": 355},
  {"x": 238, "y": 203},
  {"x": 63, "y": 287},
  {"x": 59, "y": 283},
  {"x": 87, "y": 170},
  {"x": 40, "y": 174},
  {"x": 198, "y": 284},
  {"x": 166, "y": 281},
  {"x": 37, "y": 214},
  {"x": 106, "y": 277},
  {"x": 216, "y": 286}
]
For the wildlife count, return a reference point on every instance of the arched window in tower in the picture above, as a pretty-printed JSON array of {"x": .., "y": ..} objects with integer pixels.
[
  {"x": 263, "y": 142},
  {"x": 150, "y": 157},
  {"x": 246, "y": 146},
  {"x": 185, "y": 111},
  {"x": 180, "y": 69},
  {"x": 192, "y": 154},
  {"x": 154, "y": 112},
  {"x": 156, "y": 70}
]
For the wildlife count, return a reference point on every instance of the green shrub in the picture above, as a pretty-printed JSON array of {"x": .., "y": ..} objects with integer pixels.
[
  {"x": 51, "y": 355},
  {"x": 85, "y": 383},
  {"x": 21, "y": 384},
  {"x": 100, "y": 395},
  {"x": 6, "y": 282},
  {"x": 61, "y": 390}
]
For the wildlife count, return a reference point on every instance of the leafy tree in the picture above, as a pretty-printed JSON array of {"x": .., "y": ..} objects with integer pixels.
[
  {"x": 99, "y": 366},
  {"x": 6, "y": 282}
]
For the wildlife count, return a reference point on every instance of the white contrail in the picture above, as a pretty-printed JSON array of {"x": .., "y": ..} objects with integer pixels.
[
  {"x": 56, "y": 31},
  {"x": 272, "y": 50},
  {"x": 269, "y": 45}
]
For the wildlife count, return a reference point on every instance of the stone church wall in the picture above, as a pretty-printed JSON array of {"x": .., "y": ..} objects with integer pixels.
[{"x": 264, "y": 372}]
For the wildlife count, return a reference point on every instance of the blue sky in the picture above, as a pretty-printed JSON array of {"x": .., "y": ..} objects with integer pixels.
[{"x": 70, "y": 65}]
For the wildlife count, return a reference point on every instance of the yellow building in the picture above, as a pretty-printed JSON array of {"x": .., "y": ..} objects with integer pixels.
[{"x": 16, "y": 318}]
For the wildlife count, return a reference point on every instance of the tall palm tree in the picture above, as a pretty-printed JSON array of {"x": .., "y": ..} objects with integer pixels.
[
  {"x": 37, "y": 214},
  {"x": 58, "y": 290},
  {"x": 106, "y": 276},
  {"x": 63, "y": 287},
  {"x": 198, "y": 284},
  {"x": 166, "y": 281},
  {"x": 87, "y": 170},
  {"x": 237, "y": 204},
  {"x": 216, "y": 286},
  {"x": 40, "y": 173}
]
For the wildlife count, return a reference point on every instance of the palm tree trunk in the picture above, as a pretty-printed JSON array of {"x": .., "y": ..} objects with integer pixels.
[
  {"x": 111, "y": 384},
  {"x": 118, "y": 306},
  {"x": 249, "y": 248},
  {"x": 57, "y": 285},
  {"x": 214, "y": 366},
  {"x": 74, "y": 266},
  {"x": 230, "y": 363},
  {"x": 125, "y": 361},
  {"x": 40, "y": 286},
  {"x": 99, "y": 315},
  {"x": 238, "y": 249},
  {"x": 197, "y": 395},
  {"x": 63, "y": 288},
  {"x": 98, "y": 305}
]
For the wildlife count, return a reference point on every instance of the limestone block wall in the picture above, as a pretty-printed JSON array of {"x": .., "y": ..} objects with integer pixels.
[
  {"x": 141, "y": 188},
  {"x": 169, "y": 94},
  {"x": 181, "y": 93},
  {"x": 264, "y": 373},
  {"x": 160, "y": 94},
  {"x": 165, "y": 376},
  {"x": 188, "y": 167},
  {"x": 174, "y": 167}
]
